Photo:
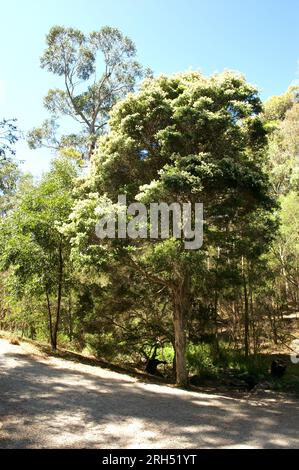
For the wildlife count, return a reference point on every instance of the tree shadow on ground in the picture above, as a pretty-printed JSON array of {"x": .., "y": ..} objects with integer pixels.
[{"x": 46, "y": 405}]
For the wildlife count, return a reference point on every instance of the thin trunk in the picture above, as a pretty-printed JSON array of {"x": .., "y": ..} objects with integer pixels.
[
  {"x": 254, "y": 332},
  {"x": 59, "y": 295},
  {"x": 93, "y": 142},
  {"x": 50, "y": 320},
  {"x": 246, "y": 318},
  {"x": 284, "y": 273},
  {"x": 91, "y": 149},
  {"x": 70, "y": 315},
  {"x": 215, "y": 339}
]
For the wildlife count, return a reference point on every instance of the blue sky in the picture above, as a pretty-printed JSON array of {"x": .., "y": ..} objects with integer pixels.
[{"x": 260, "y": 38}]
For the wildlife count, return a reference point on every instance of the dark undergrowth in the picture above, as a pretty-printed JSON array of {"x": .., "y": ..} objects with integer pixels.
[{"x": 210, "y": 369}]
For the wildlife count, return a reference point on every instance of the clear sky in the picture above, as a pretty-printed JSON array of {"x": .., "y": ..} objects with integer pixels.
[{"x": 260, "y": 38}]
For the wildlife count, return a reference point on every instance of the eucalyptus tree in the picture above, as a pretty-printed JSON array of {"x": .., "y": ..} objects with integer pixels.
[{"x": 96, "y": 70}]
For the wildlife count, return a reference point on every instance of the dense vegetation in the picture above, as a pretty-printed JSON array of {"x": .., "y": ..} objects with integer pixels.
[{"x": 186, "y": 138}]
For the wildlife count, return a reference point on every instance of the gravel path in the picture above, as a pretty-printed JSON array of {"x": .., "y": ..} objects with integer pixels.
[{"x": 53, "y": 403}]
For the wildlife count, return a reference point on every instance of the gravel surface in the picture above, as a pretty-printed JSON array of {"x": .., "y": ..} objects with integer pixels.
[{"x": 46, "y": 402}]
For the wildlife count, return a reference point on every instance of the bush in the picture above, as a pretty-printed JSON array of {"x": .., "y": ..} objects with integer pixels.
[
  {"x": 203, "y": 361},
  {"x": 257, "y": 366},
  {"x": 107, "y": 346},
  {"x": 200, "y": 360},
  {"x": 166, "y": 354}
]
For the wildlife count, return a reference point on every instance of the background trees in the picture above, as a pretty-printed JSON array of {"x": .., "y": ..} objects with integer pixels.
[
  {"x": 281, "y": 117},
  {"x": 34, "y": 250},
  {"x": 283, "y": 153},
  {"x": 91, "y": 84},
  {"x": 9, "y": 171}
]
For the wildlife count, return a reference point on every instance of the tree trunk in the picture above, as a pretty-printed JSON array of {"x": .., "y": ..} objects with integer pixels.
[
  {"x": 180, "y": 311},
  {"x": 246, "y": 310},
  {"x": 216, "y": 348},
  {"x": 53, "y": 346},
  {"x": 70, "y": 317},
  {"x": 59, "y": 295},
  {"x": 246, "y": 318},
  {"x": 93, "y": 141},
  {"x": 174, "y": 360}
]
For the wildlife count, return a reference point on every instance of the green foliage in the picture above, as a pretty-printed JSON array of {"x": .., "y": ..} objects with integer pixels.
[
  {"x": 276, "y": 107},
  {"x": 201, "y": 361},
  {"x": 89, "y": 93},
  {"x": 9, "y": 171},
  {"x": 283, "y": 152},
  {"x": 8, "y": 137},
  {"x": 33, "y": 247},
  {"x": 257, "y": 365},
  {"x": 290, "y": 380},
  {"x": 103, "y": 345}
]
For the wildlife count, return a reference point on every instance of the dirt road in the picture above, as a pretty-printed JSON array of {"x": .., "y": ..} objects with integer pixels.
[{"x": 53, "y": 403}]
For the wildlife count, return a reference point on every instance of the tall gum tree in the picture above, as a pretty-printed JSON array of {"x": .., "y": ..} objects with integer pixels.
[{"x": 96, "y": 70}]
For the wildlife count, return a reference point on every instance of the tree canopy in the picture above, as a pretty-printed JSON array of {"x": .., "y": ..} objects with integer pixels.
[{"x": 91, "y": 84}]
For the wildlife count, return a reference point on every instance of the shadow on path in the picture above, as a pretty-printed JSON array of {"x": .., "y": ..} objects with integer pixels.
[{"x": 53, "y": 404}]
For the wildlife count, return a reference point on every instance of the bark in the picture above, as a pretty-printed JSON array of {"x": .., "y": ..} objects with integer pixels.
[
  {"x": 92, "y": 147},
  {"x": 50, "y": 321},
  {"x": 174, "y": 360},
  {"x": 70, "y": 316},
  {"x": 254, "y": 332},
  {"x": 216, "y": 347},
  {"x": 180, "y": 311},
  {"x": 59, "y": 296},
  {"x": 246, "y": 318}
]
